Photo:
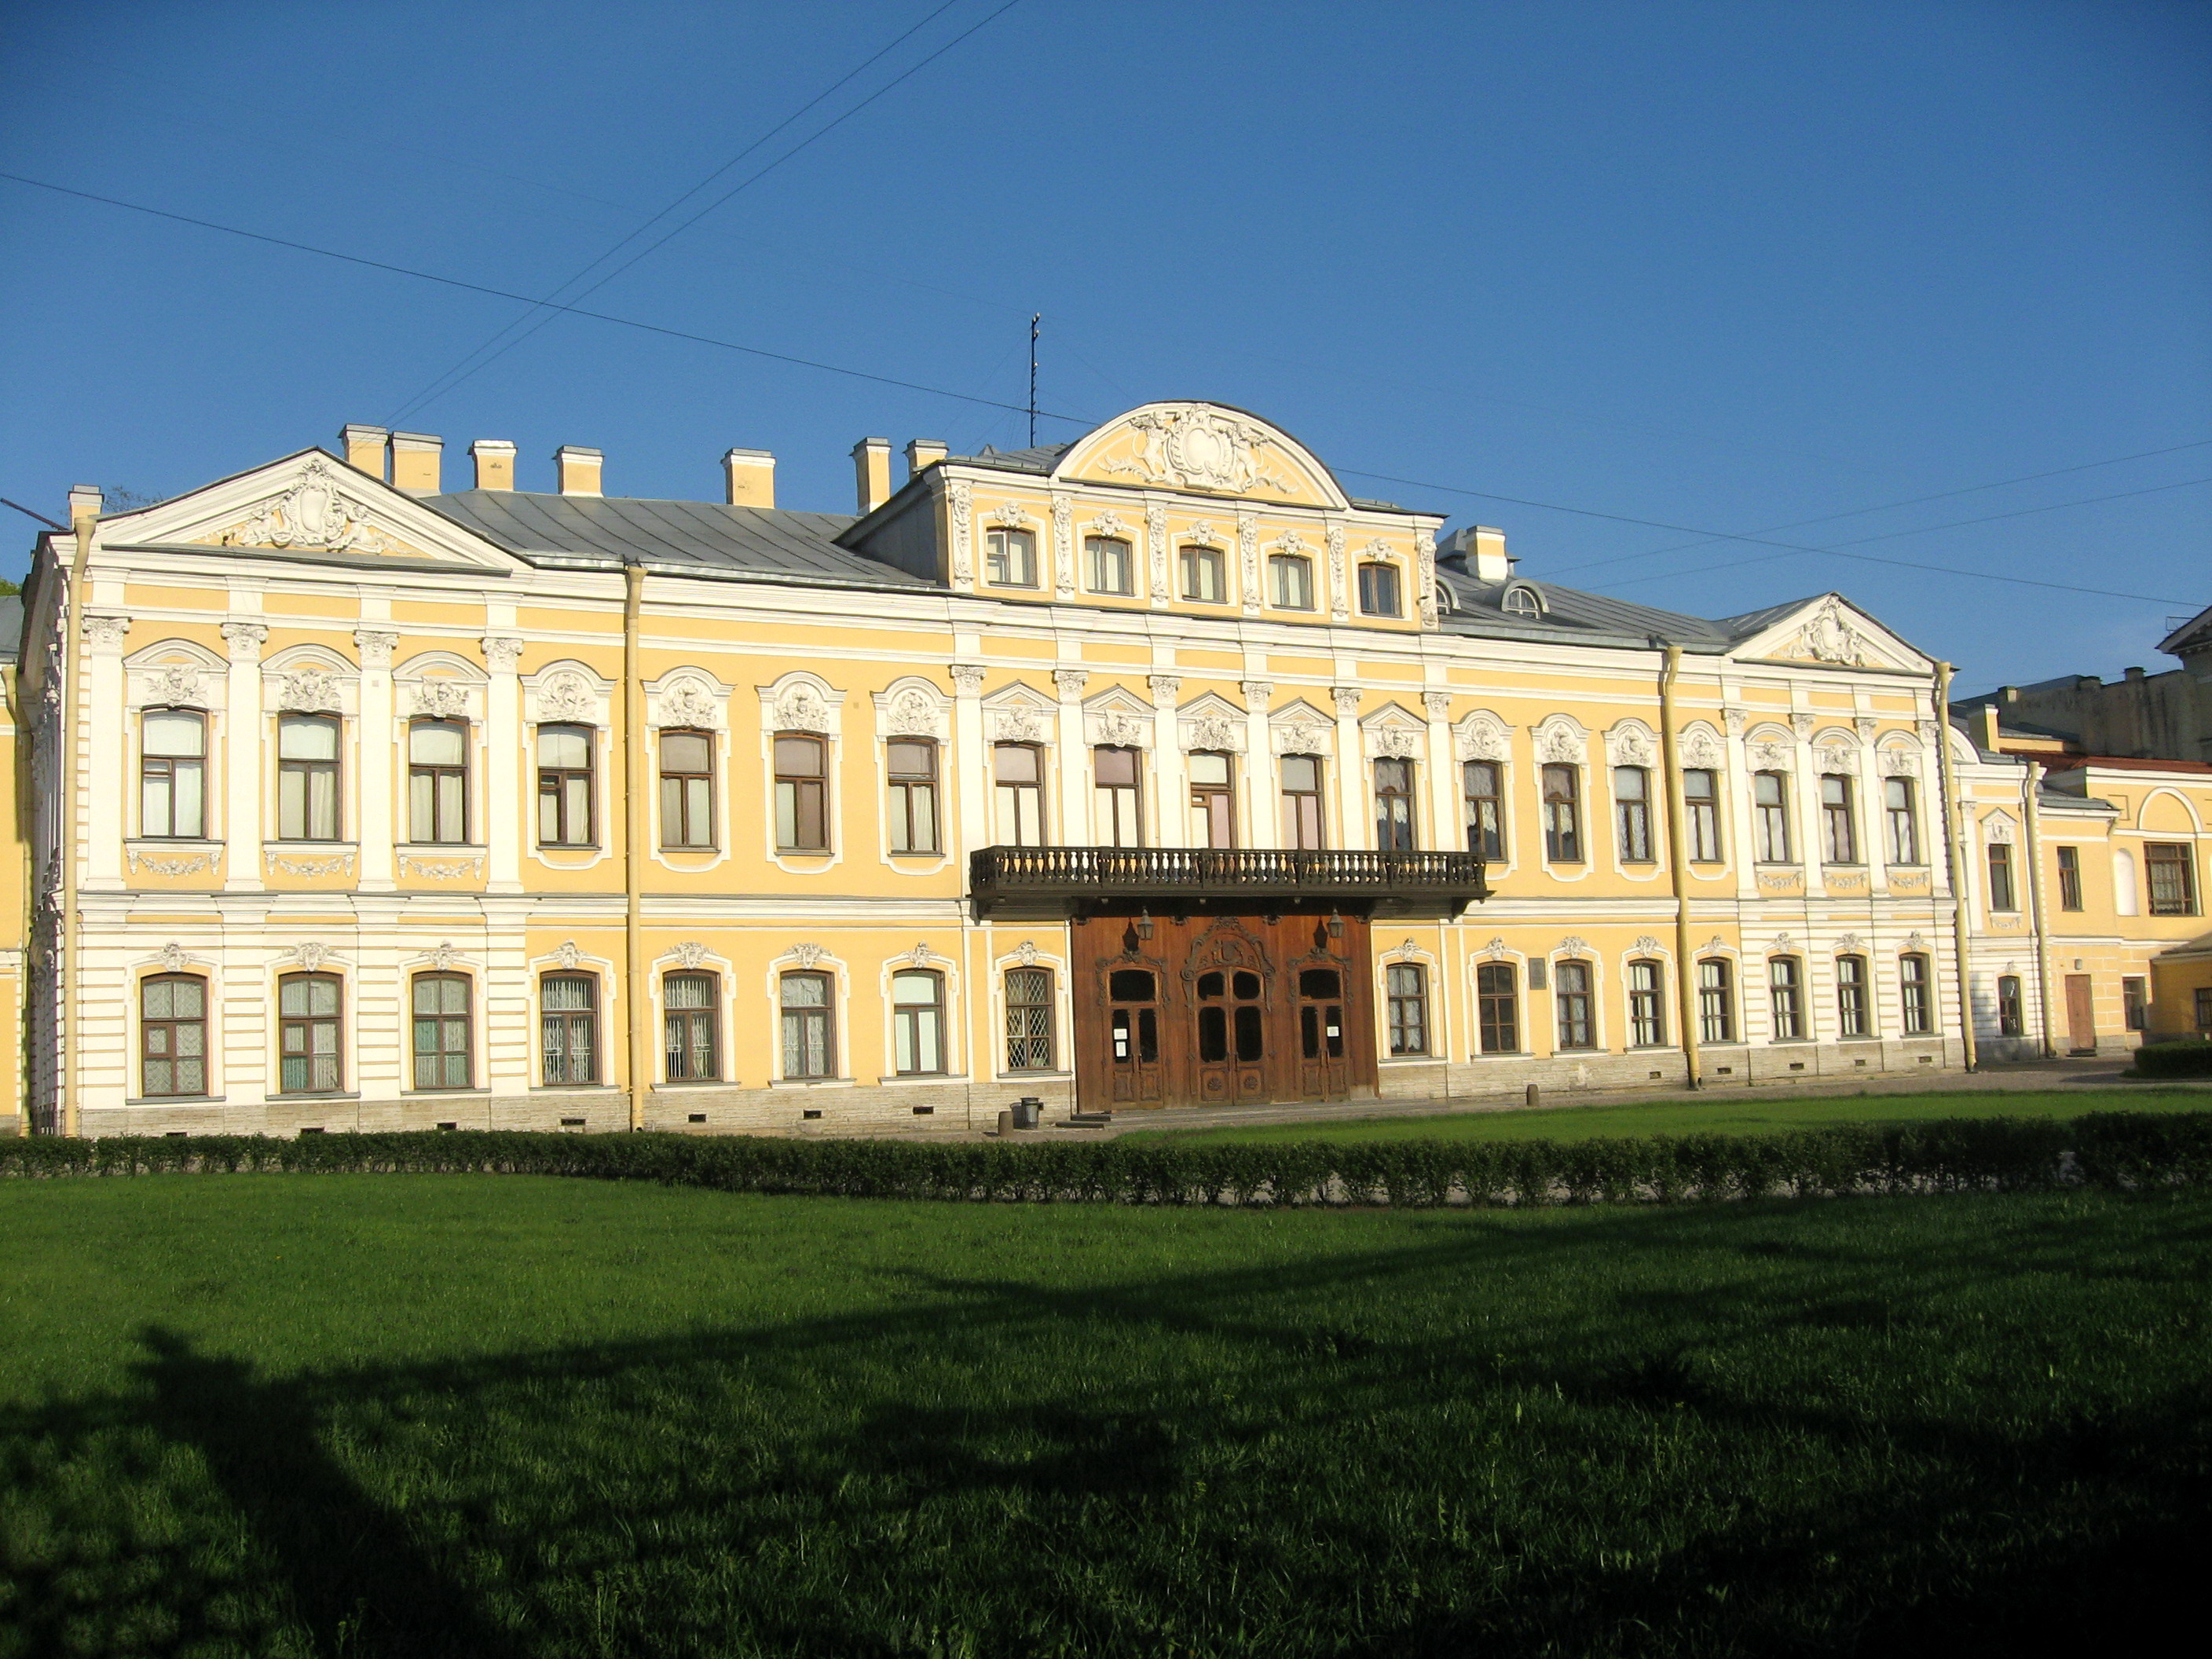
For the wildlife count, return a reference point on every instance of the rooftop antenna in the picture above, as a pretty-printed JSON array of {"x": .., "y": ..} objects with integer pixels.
[{"x": 1034, "y": 321}]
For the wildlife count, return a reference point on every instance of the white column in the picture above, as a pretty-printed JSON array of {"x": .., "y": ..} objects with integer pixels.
[
  {"x": 503, "y": 772},
  {"x": 1446, "y": 832},
  {"x": 1263, "y": 814},
  {"x": 1805, "y": 799},
  {"x": 1742, "y": 850},
  {"x": 971, "y": 759},
  {"x": 1074, "y": 753},
  {"x": 242, "y": 758},
  {"x": 378, "y": 759},
  {"x": 1352, "y": 828},
  {"x": 1171, "y": 809},
  {"x": 100, "y": 709}
]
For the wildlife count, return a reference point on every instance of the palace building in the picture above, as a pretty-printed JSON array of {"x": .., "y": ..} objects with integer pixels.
[{"x": 1144, "y": 770}]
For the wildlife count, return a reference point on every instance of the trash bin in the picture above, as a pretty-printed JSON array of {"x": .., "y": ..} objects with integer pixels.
[{"x": 1028, "y": 1112}]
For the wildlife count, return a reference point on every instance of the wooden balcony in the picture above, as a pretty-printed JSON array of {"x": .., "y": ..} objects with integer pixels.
[{"x": 1060, "y": 881}]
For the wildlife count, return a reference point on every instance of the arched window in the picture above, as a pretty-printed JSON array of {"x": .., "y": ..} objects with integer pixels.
[
  {"x": 173, "y": 774},
  {"x": 1497, "y": 1007},
  {"x": 1572, "y": 997},
  {"x": 438, "y": 781},
  {"x": 1010, "y": 558},
  {"x": 1111, "y": 569},
  {"x": 802, "y": 807},
  {"x": 690, "y": 1028},
  {"x": 308, "y": 1034},
  {"x": 687, "y": 789},
  {"x": 911, "y": 771},
  {"x": 1406, "y": 988},
  {"x": 1647, "y": 1005},
  {"x": 1393, "y": 805},
  {"x": 1716, "y": 1001},
  {"x": 1851, "y": 996},
  {"x": 1519, "y": 599},
  {"x": 1203, "y": 579},
  {"x": 1784, "y": 985},
  {"x": 1378, "y": 589},
  {"x": 569, "y": 1028},
  {"x": 564, "y": 786},
  {"x": 1029, "y": 1019},
  {"x": 810, "y": 1048},
  {"x": 917, "y": 1022},
  {"x": 1292, "y": 577},
  {"x": 441, "y": 1045},
  {"x": 307, "y": 777},
  {"x": 172, "y": 1036}
]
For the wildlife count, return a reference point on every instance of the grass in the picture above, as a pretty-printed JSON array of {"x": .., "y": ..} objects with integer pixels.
[
  {"x": 1704, "y": 1114},
  {"x": 509, "y": 1416}
]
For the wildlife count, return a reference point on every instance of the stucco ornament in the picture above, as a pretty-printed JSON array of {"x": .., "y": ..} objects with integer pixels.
[
  {"x": 1701, "y": 747},
  {"x": 567, "y": 695},
  {"x": 174, "y": 957},
  {"x": 1198, "y": 448},
  {"x": 1437, "y": 705},
  {"x": 1216, "y": 731},
  {"x": 1495, "y": 949},
  {"x": 1394, "y": 742},
  {"x": 291, "y": 865},
  {"x": 308, "y": 691},
  {"x": 313, "y": 513},
  {"x": 808, "y": 956},
  {"x": 689, "y": 702},
  {"x": 1257, "y": 693},
  {"x": 1425, "y": 562},
  {"x": 1769, "y": 754},
  {"x": 689, "y": 954},
  {"x": 375, "y": 646},
  {"x": 1110, "y": 525},
  {"x": 503, "y": 652},
  {"x": 105, "y": 632},
  {"x": 442, "y": 699},
  {"x": 174, "y": 685},
  {"x": 1202, "y": 534},
  {"x": 1247, "y": 552},
  {"x": 1898, "y": 762},
  {"x": 1063, "y": 544},
  {"x": 912, "y": 712},
  {"x": 800, "y": 707},
  {"x": 959, "y": 501},
  {"x": 1839, "y": 757},
  {"x": 967, "y": 677},
  {"x": 567, "y": 955},
  {"x": 444, "y": 955},
  {"x": 1865, "y": 725},
  {"x": 1010, "y": 515},
  {"x": 246, "y": 640},
  {"x": 1783, "y": 944},
  {"x": 173, "y": 863},
  {"x": 1118, "y": 728},
  {"x": 1166, "y": 689},
  {"x": 1070, "y": 682},
  {"x": 1914, "y": 941},
  {"x": 1647, "y": 944},
  {"x": 1574, "y": 945},
  {"x": 1339, "y": 601},
  {"x": 1717, "y": 945},
  {"x": 1851, "y": 942},
  {"x": 1303, "y": 737},
  {"x": 1026, "y": 953},
  {"x": 1830, "y": 638},
  {"x": 1630, "y": 744},
  {"x": 1560, "y": 740},
  {"x": 1156, "y": 541},
  {"x": 1346, "y": 698},
  {"x": 1998, "y": 828},
  {"x": 1019, "y": 722},
  {"x": 1482, "y": 737},
  {"x": 921, "y": 956},
  {"x": 312, "y": 955},
  {"x": 1801, "y": 723}
]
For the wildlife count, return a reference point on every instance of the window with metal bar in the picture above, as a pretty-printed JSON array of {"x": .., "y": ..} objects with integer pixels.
[
  {"x": 1029, "y": 1019},
  {"x": 442, "y": 1028},
  {"x": 173, "y": 1035},
  {"x": 569, "y": 1028},
  {"x": 690, "y": 1022},
  {"x": 307, "y": 1033},
  {"x": 1647, "y": 1005}
]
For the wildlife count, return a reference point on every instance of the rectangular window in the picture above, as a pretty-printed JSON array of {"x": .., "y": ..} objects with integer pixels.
[
  {"x": 1485, "y": 811},
  {"x": 2012, "y": 1016},
  {"x": 912, "y": 809},
  {"x": 172, "y": 775},
  {"x": 1912, "y": 980},
  {"x": 1904, "y": 821},
  {"x": 440, "y": 1004},
  {"x": 2204, "y": 1008},
  {"x": 438, "y": 781},
  {"x": 1632, "y": 812},
  {"x": 1010, "y": 558},
  {"x": 1393, "y": 805},
  {"x": 1111, "y": 571},
  {"x": 802, "y": 807},
  {"x": 687, "y": 789},
  {"x": 1301, "y": 815},
  {"x": 2002, "y": 897},
  {"x": 1571, "y": 999},
  {"x": 1029, "y": 1019},
  {"x": 1851, "y": 996},
  {"x": 1378, "y": 590},
  {"x": 1294, "y": 581},
  {"x": 1839, "y": 841},
  {"x": 307, "y": 1033},
  {"x": 1497, "y": 1008},
  {"x": 690, "y": 1028},
  {"x": 1563, "y": 822},
  {"x": 1701, "y": 795},
  {"x": 1409, "y": 996},
  {"x": 1716, "y": 1001},
  {"x": 307, "y": 778},
  {"x": 918, "y": 1023},
  {"x": 1202, "y": 577},
  {"x": 1120, "y": 798},
  {"x": 1212, "y": 800},
  {"x": 1770, "y": 818},
  {"x": 173, "y": 1035},
  {"x": 1647, "y": 1005},
  {"x": 1783, "y": 983},
  {"x": 2070, "y": 877},
  {"x": 808, "y": 1050},
  {"x": 564, "y": 786},
  {"x": 2172, "y": 878},
  {"x": 2135, "y": 1004},
  {"x": 1017, "y": 774},
  {"x": 569, "y": 1028}
]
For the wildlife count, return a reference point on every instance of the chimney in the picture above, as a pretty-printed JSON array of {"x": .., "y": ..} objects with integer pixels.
[
  {"x": 749, "y": 476},
  {"x": 577, "y": 469},
  {"x": 415, "y": 462},
  {"x": 2135, "y": 676},
  {"x": 364, "y": 447},
  {"x": 495, "y": 459},
  {"x": 922, "y": 453},
  {"x": 1983, "y": 729},
  {"x": 84, "y": 502},
  {"x": 1486, "y": 559},
  {"x": 872, "y": 471}
]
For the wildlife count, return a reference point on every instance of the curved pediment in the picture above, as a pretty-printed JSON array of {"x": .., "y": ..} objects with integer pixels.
[{"x": 1208, "y": 448}]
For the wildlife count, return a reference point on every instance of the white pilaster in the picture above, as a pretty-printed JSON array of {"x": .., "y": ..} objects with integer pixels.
[
  {"x": 1171, "y": 818},
  {"x": 971, "y": 759},
  {"x": 504, "y": 761},
  {"x": 1074, "y": 753},
  {"x": 1353, "y": 828},
  {"x": 1445, "y": 831},
  {"x": 101, "y": 710},
  {"x": 242, "y": 751},
  {"x": 379, "y": 759},
  {"x": 1263, "y": 814}
]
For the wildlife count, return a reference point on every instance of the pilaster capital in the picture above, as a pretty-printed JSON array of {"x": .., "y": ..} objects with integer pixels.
[
  {"x": 246, "y": 640},
  {"x": 501, "y": 653},
  {"x": 104, "y": 633},
  {"x": 1070, "y": 682},
  {"x": 1258, "y": 693},
  {"x": 1347, "y": 698},
  {"x": 968, "y": 678},
  {"x": 375, "y": 646},
  {"x": 1166, "y": 688},
  {"x": 1438, "y": 704}
]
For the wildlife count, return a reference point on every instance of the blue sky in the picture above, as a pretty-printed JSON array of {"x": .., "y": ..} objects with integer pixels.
[{"x": 1720, "y": 266}]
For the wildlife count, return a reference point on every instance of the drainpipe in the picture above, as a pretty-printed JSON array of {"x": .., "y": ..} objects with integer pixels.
[
  {"x": 69, "y": 937},
  {"x": 1678, "y": 859},
  {"x": 641, "y": 1030},
  {"x": 2035, "y": 895},
  {"x": 1954, "y": 857}
]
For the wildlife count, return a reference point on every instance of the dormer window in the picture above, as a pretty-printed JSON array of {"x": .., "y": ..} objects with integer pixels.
[
  {"x": 1010, "y": 558},
  {"x": 1520, "y": 599},
  {"x": 1293, "y": 580},
  {"x": 1378, "y": 590},
  {"x": 1203, "y": 578}
]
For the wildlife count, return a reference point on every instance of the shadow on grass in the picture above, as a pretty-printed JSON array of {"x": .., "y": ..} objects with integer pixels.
[{"x": 1241, "y": 1462}]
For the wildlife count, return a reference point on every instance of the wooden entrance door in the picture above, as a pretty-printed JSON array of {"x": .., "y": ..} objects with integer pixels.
[
  {"x": 2080, "y": 1016},
  {"x": 1132, "y": 1033},
  {"x": 1230, "y": 977},
  {"x": 1324, "y": 1070}
]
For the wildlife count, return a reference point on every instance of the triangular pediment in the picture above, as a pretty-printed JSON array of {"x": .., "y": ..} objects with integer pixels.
[
  {"x": 1204, "y": 448},
  {"x": 1830, "y": 632},
  {"x": 309, "y": 504}
]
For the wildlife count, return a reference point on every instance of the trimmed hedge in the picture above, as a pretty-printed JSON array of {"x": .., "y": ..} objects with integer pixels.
[
  {"x": 2184, "y": 1058},
  {"x": 2127, "y": 1150}
]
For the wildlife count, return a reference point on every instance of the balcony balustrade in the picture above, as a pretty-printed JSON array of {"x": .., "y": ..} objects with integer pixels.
[{"x": 1066, "y": 878}]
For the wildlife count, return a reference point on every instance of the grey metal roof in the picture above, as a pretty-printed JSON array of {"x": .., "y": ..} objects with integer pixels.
[
  {"x": 1040, "y": 459},
  {"x": 1570, "y": 614},
  {"x": 709, "y": 535}
]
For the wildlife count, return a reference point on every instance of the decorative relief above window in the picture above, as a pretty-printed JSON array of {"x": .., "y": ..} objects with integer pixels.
[
  {"x": 1701, "y": 747},
  {"x": 794, "y": 704},
  {"x": 308, "y": 690},
  {"x": 1630, "y": 744},
  {"x": 911, "y": 711},
  {"x": 688, "y": 701},
  {"x": 1482, "y": 735},
  {"x": 1561, "y": 740},
  {"x": 442, "y": 699}
]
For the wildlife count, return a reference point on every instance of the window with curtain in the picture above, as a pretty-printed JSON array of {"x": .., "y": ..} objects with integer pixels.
[
  {"x": 1029, "y": 1019},
  {"x": 307, "y": 1033},
  {"x": 1785, "y": 990},
  {"x": 912, "y": 809},
  {"x": 1018, "y": 783},
  {"x": 1393, "y": 805},
  {"x": 1701, "y": 798},
  {"x": 1631, "y": 811},
  {"x": 564, "y": 786},
  {"x": 1571, "y": 997},
  {"x": 1485, "y": 810},
  {"x": 1770, "y": 818},
  {"x": 1839, "y": 841},
  {"x": 1213, "y": 798},
  {"x": 808, "y": 1049},
  {"x": 173, "y": 1035},
  {"x": 690, "y": 1028},
  {"x": 569, "y": 1028},
  {"x": 442, "y": 1049},
  {"x": 1918, "y": 1010},
  {"x": 1111, "y": 569},
  {"x": 173, "y": 774},
  {"x": 1406, "y": 984},
  {"x": 1010, "y": 558},
  {"x": 307, "y": 777},
  {"x": 2012, "y": 1013},
  {"x": 1302, "y": 803},
  {"x": 1203, "y": 575},
  {"x": 802, "y": 793},
  {"x": 1716, "y": 1001},
  {"x": 438, "y": 781},
  {"x": 1294, "y": 581},
  {"x": 1647, "y": 1005},
  {"x": 917, "y": 1022},
  {"x": 1378, "y": 590},
  {"x": 1497, "y": 1008},
  {"x": 1900, "y": 809},
  {"x": 687, "y": 790},
  {"x": 1118, "y": 800},
  {"x": 2172, "y": 878},
  {"x": 1563, "y": 815},
  {"x": 1851, "y": 996}
]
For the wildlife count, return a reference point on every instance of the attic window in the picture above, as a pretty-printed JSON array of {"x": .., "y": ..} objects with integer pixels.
[{"x": 1520, "y": 599}]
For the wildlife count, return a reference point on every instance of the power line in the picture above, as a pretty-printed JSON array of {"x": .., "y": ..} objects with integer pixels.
[{"x": 540, "y": 313}]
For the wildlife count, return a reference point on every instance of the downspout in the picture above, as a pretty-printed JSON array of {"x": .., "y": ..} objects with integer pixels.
[
  {"x": 1955, "y": 855},
  {"x": 641, "y": 1030},
  {"x": 1678, "y": 859},
  {"x": 69, "y": 936},
  {"x": 2036, "y": 897}
]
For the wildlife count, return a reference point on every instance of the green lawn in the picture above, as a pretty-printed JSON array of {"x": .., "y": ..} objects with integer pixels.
[
  {"x": 507, "y": 1416},
  {"x": 1701, "y": 1114}
]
